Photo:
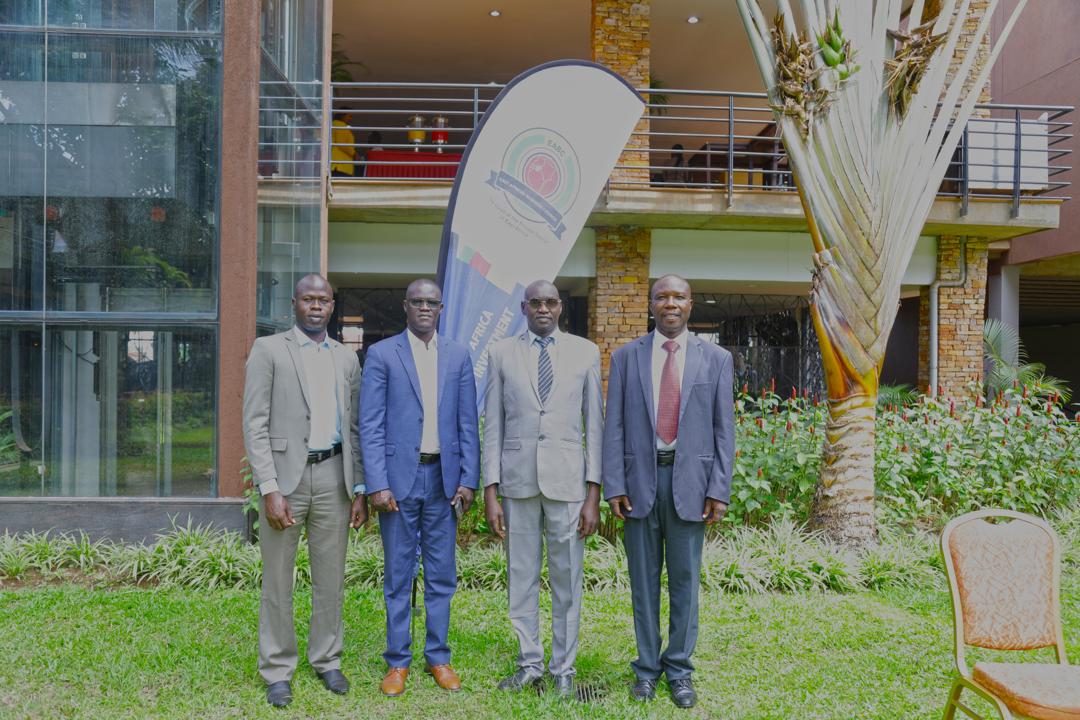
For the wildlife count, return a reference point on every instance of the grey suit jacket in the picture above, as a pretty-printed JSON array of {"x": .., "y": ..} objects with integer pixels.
[
  {"x": 532, "y": 448},
  {"x": 705, "y": 448},
  {"x": 277, "y": 417}
]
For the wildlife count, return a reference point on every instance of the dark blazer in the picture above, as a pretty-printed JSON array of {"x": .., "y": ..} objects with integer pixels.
[
  {"x": 392, "y": 417},
  {"x": 705, "y": 449}
]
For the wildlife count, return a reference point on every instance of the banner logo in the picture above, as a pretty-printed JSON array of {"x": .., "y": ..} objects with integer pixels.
[{"x": 540, "y": 177}]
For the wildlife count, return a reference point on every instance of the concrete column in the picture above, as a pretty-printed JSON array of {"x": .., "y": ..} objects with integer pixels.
[
  {"x": 1003, "y": 296},
  {"x": 618, "y": 295},
  {"x": 239, "y": 226},
  {"x": 960, "y": 318},
  {"x": 620, "y": 41}
]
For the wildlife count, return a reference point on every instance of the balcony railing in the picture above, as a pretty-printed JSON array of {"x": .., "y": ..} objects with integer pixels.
[{"x": 702, "y": 140}]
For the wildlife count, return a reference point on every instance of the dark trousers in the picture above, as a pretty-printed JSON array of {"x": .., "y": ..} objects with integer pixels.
[
  {"x": 660, "y": 536},
  {"x": 425, "y": 509}
]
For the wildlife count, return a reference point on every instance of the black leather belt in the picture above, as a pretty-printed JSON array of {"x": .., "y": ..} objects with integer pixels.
[
  {"x": 665, "y": 457},
  {"x": 317, "y": 456},
  {"x": 429, "y": 458}
]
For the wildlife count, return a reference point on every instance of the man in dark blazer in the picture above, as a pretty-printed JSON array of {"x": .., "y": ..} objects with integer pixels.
[
  {"x": 418, "y": 430},
  {"x": 301, "y": 438},
  {"x": 669, "y": 443}
]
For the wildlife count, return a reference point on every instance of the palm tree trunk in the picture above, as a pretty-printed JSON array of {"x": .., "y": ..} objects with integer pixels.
[{"x": 843, "y": 505}]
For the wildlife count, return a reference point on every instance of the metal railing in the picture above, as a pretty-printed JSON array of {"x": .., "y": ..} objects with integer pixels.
[{"x": 704, "y": 140}]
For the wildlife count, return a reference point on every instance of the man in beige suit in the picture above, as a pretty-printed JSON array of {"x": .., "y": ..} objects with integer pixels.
[
  {"x": 543, "y": 388},
  {"x": 302, "y": 438}
]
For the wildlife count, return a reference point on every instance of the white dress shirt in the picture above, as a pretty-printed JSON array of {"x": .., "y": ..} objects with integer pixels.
[
  {"x": 534, "y": 356},
  {"x": 426, "y": 359},
  {"x": 320, "y": 372},
  {"x": 659, "y": 357}
]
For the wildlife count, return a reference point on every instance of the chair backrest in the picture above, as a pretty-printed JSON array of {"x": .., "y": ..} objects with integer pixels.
[{"x": 1005, "y": 580}]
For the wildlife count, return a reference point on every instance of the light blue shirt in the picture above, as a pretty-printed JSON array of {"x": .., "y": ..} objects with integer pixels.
[{"x": 320, "y": 371}]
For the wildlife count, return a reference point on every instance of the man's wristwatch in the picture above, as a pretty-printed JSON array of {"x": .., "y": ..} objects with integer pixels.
[{"x": 359, "y": 489}]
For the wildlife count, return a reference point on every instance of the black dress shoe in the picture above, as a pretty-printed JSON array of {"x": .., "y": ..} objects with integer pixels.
[
  {"x": 564, "y": 685},
  {"x": 279, "y": 694},
  {"x": 644, "y": 690},
  {"x": 519, "y": 681},
  {"x": 335, "y": 681},
  {"x": 682, "y": 692}
]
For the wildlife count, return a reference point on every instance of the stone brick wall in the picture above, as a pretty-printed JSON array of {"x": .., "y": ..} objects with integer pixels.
[
  {"x": 619, "y": 294},
  {"x": 960, "y": 318},
  {"x": 975, "y": 15},
  {"x": 620, "y": 41}
]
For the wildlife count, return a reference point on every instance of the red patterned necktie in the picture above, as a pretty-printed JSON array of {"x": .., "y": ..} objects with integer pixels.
[{"x": 667, "y": 415}]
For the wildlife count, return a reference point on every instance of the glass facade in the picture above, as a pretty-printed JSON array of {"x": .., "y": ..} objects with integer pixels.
[
  {"x": 110, "y": 121},
  {"x": 291, "y": 204}
]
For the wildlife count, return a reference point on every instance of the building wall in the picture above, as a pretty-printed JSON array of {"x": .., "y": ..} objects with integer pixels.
[{"x": 1040, "y": 65}]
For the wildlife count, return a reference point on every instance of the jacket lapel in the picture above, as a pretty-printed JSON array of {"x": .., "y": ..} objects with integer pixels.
[
  {"x": 524, "y": 360},
  {"x": 644, "y": 363},
  {"x": 443, "y": 360},
  {"x": 298, "y": 364},
  {"x": 404, "y": 351},
  {"x": 691, "y": 367}
]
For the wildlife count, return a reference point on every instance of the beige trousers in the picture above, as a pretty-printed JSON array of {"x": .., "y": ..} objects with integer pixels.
[{"x": 321, "y": 504}]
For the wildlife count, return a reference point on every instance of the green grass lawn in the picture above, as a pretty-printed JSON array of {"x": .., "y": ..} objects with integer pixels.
[{"x": 72, "y": 651}]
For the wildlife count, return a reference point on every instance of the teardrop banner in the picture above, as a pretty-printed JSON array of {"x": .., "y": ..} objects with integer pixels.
[{"x": 527, "y": 182}]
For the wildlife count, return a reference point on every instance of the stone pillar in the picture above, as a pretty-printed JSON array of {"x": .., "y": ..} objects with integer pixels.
[
  {"x": 620, "y": 41},
  {"x": 619, "y": 294},
  {"x": 976, "y": 11},
  {"x": 960, "y": 318}
]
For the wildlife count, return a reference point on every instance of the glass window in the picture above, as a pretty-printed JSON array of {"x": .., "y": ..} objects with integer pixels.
[
  {"x": 167, "y": 15},
  {"x": 131, "y": 412},
  {"x": 20, "y": 410},
  {"x": 22, "y": 165},
  {"x": 288, "y": 249},
  {"x": 132, "y": 167},
  {"x": 20, "y": 12}
]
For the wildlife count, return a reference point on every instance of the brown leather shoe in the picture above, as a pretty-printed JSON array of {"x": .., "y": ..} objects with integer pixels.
[
  {"x": 445, "y": 677},
  {"x": 393, "y": 682}
]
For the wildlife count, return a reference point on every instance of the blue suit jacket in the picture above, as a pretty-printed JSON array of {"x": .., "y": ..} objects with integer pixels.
[
  {"x": 392, "y": 417},
  {"x": 705, "y": 449}
]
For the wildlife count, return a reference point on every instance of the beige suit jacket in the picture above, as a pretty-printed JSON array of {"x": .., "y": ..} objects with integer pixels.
[
  {"x": 552, "y": 448},
  {"x": 277, "y": 417}
]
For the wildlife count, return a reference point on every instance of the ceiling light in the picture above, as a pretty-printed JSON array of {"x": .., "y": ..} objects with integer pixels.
[
  {"x": 693, "y": 19},
  {"x": 494, "y": 13}
]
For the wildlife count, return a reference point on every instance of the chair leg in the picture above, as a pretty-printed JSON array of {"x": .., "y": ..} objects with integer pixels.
[{"x": 954, "y": 696}]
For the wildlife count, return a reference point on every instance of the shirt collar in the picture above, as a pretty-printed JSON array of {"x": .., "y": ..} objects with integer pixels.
[
  {"x": 659, "y": 339},
  {"x": 302, "y": 339},
  {"x": 418, "y": 344},
  {"x": 533, "y": 337}
]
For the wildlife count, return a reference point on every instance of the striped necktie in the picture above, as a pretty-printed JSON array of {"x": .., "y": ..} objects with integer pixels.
[{"x": 544, "y": 374}]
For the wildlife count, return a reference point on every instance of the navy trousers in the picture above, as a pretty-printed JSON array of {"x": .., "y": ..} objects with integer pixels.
[
  {"x": 426, "y": 510},
  {"x": 650, "y": 541}
]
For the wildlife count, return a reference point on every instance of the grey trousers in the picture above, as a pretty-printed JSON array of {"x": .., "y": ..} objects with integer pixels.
[
  {"x": 528, "y": 523},
  {"x": 660, "y": 536},
  {"x": 321, "y": 503}
]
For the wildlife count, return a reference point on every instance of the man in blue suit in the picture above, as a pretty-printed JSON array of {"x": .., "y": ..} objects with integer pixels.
[
  {"x": 669, "y": 443},
  {"x": 418, "y": 431}
]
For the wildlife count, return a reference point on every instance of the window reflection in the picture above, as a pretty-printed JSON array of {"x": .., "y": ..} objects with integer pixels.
[
  {"x": 137, "y": 14},
  {"x": 20, "y": 410},
  {"x": 131, "y": 412},
  {"x": 132, "y": 173}
]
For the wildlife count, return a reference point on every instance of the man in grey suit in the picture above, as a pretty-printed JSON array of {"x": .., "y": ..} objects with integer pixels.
[
  {"x": 669, "y": 444},
  {"x": 543, "y": 388},
  {"x": 302, "y": 440}
]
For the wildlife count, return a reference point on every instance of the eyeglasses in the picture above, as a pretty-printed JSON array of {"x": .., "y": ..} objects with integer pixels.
[
  {"x": 424, "y": 303},
  {"x": 550, "y": 303}
]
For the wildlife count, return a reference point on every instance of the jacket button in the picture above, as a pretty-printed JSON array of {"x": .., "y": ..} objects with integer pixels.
[
  {"x": 542, "y": 412},
  {"x": 541, "y": 437},
  {"x": 305, "y": 439},
  {"x": 417, "y": 448}
]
